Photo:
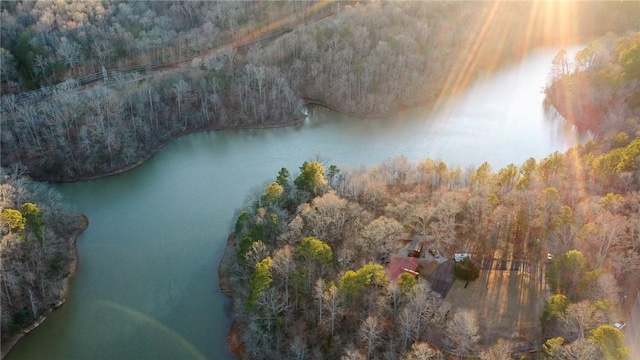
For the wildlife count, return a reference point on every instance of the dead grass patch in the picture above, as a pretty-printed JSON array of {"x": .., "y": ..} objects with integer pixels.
[{"x": 508, "y": 305}]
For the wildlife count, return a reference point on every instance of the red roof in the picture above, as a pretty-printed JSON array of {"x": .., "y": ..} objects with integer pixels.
[{"x": 397, "y": 266}]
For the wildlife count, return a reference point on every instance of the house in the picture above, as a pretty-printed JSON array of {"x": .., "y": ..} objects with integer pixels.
[
  {"x": 461, "y": 256},
  {"x": 400, "y": 265}
]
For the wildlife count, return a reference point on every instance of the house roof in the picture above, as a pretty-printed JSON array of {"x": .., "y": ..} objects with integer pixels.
[{"x": 398, "y": 265}]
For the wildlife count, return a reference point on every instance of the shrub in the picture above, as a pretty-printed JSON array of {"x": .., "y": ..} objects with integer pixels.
[{"x": 466, "y": 270}]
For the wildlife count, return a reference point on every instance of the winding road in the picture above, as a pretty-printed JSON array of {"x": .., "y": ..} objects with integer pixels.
[{"x": 258, "y": 37}]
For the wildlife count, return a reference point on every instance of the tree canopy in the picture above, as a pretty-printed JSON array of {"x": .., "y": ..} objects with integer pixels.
[
  {"x": 329, "y": 282},
  {"x": 260, "y": 280},
  {"x": 610, "y": 341},
  {"x": 13, "y": 219},
  {"x": 312, "y": 178}
]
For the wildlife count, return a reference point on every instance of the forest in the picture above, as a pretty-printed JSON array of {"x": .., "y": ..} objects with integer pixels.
[
  {"x": 35, "y": 251},
  {"x": 91, "y": 88},
  {"x": 307, "y": 262},
  {"x": 113, "y": 81},
  {"x": 599, "y": 89}
]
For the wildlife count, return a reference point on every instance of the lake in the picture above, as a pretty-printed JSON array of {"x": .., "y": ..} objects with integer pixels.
[{"x": 147, "y": 285}]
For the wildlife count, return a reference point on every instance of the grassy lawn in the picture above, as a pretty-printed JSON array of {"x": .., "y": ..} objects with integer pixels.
[{"x": 510, "y": 307}]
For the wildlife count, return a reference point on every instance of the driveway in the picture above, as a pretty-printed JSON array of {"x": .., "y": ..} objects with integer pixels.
[{"x": 443, "y": 278}]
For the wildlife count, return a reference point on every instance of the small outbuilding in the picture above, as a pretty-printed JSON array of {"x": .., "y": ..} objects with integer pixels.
[
  {"x": 416, "y": 247},
  {"x": 461, "y": 256}
]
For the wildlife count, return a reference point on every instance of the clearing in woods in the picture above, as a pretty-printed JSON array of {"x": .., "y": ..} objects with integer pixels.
[{"x": 508, "y": 299}]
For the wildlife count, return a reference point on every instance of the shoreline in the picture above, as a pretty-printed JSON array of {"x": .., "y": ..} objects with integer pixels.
[
  {"x": 156, "y": 149},
  {"x": 152, "y": 152},
  {"x": 235, "y": 345},
  {"x": 562, "y": 42},
  {"x": 73, "y": 255},
  {"x": 555, "y": 98},
  {"x": 234, "y": 341},
  {"x": 367, "y": 116},
  {"x": 73, "y": 266}
]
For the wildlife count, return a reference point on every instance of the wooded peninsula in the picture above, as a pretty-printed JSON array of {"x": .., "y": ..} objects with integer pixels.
[{"x": 93, "y": 88}]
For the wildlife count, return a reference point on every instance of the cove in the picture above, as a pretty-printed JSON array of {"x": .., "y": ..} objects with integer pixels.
[{"x": 147, "y": 285}]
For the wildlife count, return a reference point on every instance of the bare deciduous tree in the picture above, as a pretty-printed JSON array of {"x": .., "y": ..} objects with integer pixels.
[
  {"x": 422, "y": 351},
  {"x": 273, "y": 305},
  {"x": 69, "y": 52},
  {"x": 328, "y": 216},
  {"x": 318, "y": 293},
  {"x": 379, "y": 236},
  {"x": 606, "y": 288},
  {"x": 605, "y": 233},
  {"x": 501, "y": 350},
  {"x": 423, "y": 304},
  {"x": 581, "y": 349},
  {"x": 581, "y": 317},
  {"x": 298, "y": 348},
  {"x": 352, "y": 354},
  {"x": 407, "y": 323},
  {"x": 257, "y": 252},
  {"x": 332, "y": 302},
  {"x": 181, "y": 89},
  {"x": 624, "y": 262},
  {"x": 422, "y": 216},
  {"x": 374, "y": 194},
  {"x": 462, "y": 332},
  {"x": 284, "y": 264},
  {"x": 370, "y": 333}
]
